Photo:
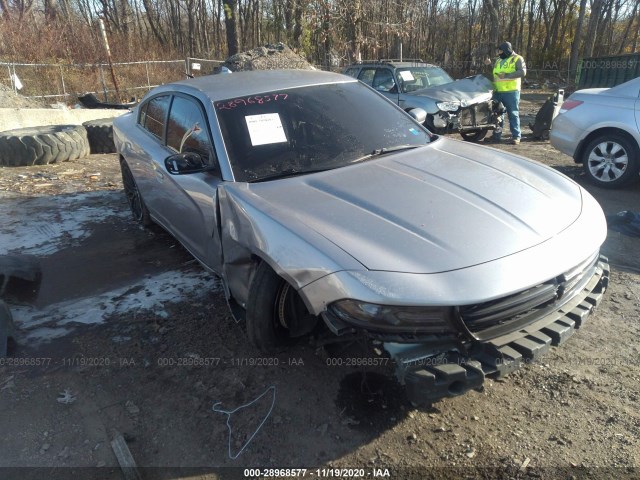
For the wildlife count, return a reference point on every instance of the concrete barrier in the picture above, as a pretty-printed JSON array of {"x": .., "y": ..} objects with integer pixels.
[{"x": 11, "y": 118}]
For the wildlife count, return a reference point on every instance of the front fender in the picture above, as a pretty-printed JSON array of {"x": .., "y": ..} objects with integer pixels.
[
  {"x": 251, "y": 230},
  {"x": 408, "y": 102}
]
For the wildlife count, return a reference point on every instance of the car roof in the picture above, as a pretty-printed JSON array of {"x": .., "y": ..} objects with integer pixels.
[
  {"x": 394, "y": 64},
  {"x": 254, "y": 82}
]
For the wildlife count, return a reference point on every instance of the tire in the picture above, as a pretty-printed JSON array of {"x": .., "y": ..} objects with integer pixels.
[
  {"x": 272, "y": 302},
  {"x": 100, "y": 134},
  {"x": 611, "y": 160},
  {"x": 43, "y": 145},
  {"x": 134, "y": 199},
  {"x": 474, "y": 136}
]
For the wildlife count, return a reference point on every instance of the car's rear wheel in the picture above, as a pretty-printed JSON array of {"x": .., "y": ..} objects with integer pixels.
[
  {"x": 136, "y": 204},
  {"x": 611, "y": 161},
  {"x": 275, "y": 312},
  {"x": 474, "y": 136}
]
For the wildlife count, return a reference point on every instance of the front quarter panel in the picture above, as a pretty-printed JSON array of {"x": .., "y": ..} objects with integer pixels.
[
  {"x": 408, "y": 101},
  {"x": 253, "y": 231}
]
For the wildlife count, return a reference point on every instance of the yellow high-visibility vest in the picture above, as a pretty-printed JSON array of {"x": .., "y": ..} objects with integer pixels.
[{"x": 506, "y": 66}]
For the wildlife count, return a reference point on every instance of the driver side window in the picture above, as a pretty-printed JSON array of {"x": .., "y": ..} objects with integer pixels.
[
  {"x": 187, "y": 129},
  {"x": 383, "y": 81}
]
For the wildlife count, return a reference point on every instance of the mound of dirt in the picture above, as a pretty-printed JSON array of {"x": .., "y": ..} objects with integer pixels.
[
  {"x": 269, "y": 57},
  {"x": 11, "y": 99}
]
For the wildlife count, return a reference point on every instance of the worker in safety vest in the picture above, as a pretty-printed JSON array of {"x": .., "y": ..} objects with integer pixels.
[{"x": 508, "y": 71}]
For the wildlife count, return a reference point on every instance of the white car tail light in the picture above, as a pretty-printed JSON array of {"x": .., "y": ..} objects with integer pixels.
[{"x": 570, "y": 105}]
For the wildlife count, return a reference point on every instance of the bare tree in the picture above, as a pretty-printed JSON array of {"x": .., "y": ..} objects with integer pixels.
[
  {"x": 231, "y": 25},
  {"x": 594, "y": 19},
  {"x": 493, "y": 7}
]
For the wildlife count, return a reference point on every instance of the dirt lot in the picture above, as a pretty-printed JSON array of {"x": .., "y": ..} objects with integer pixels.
[{"x": 141, "y": 341}]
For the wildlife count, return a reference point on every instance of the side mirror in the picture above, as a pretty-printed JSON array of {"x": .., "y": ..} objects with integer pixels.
[
  {"x": 185, "y": 163},
  {"x": 418, "y": 114}
]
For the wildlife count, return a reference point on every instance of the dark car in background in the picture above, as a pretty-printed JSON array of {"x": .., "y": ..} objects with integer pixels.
[{"x": 464, "y": 106}]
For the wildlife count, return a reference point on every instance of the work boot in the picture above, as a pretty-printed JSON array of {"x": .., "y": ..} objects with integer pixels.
[{"x": 515, "y": 141}]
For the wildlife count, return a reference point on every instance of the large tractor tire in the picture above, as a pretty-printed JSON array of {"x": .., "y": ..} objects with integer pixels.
[
  {"x": 43, "y": 145},
  {"x": 100, "y": 133}
]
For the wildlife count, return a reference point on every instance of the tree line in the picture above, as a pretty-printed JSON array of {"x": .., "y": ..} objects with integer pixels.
[{"x": 550, "y": 34}]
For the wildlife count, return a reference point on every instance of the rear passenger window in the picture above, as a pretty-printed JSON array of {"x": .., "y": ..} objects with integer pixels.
[
  {"x": 143, "y": 113},
  {"x": 154, "y": 116}
]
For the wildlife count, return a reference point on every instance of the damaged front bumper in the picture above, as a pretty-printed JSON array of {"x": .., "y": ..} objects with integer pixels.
[
  {"x": 472, "y": 118},
  {"x": 429, "y": 378},
  {"x": 432, "y": 370}
]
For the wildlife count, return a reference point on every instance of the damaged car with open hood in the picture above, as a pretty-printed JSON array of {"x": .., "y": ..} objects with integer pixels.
[
  {"x": 462, "y": 106},
  {"x": 328, "y": 210}
]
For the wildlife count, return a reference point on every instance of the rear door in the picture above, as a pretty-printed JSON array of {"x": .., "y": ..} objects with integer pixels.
[{"x": 148, "y": 147}]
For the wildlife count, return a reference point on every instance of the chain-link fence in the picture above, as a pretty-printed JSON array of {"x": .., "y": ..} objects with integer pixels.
[{"x": 64, "y": 82}]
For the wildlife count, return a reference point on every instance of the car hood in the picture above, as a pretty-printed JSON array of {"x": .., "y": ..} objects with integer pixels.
[
  {"x": 442, "y": 207},
  {"x": 469, "y": 90}
]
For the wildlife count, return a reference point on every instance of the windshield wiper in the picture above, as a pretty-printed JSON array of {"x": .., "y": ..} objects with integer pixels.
[
  {"x": 383, "y": 151},
  {"x": 290, "y": 172}
]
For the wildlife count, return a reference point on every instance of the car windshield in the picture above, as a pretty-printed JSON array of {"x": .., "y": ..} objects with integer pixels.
[
  {"x": 309, "y": 129},
  {"x": 417, "y": 78}
]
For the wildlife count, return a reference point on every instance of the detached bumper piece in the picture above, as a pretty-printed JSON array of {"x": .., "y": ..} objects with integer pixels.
[
  {"x": 428, "y": 378},
  {"x": 478, "y": 115}
]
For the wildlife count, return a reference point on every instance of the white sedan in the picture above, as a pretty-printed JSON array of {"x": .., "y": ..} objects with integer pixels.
[{"x": 600, "y": 128}]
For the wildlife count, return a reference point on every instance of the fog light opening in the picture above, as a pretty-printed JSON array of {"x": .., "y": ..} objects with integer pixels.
[{"x": 457, "y": 388}]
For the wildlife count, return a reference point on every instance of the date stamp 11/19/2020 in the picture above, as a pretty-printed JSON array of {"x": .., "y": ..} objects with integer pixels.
[{"x": 184, "y": 361}]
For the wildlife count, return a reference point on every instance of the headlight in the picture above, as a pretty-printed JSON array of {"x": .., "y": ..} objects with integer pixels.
[
  {"x": 393, "y": 318},
  {"x": 448, "y": 106}
]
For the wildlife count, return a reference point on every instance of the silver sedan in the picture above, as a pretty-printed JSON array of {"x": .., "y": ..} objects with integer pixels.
[
  {"x": 330, "y": 212},
  {"x": 600, "y": 128}
]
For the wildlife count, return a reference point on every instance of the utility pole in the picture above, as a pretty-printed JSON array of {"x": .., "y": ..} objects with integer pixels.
[{"x": 106, "y": 46}]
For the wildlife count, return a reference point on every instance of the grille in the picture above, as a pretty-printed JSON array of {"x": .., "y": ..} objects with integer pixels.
[
  {"x": 475, "y": 115},
  {"x": 528, "y": 305}
]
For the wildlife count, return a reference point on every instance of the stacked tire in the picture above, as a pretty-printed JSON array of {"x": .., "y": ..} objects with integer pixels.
[
  {"x": 100, "y": 134},
  {"x": 43, "y": 145}
]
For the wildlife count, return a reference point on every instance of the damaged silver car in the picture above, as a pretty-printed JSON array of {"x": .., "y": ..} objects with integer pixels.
[
  {"x": 324, "y": 206},
  {"x": 462, "y": 106}
]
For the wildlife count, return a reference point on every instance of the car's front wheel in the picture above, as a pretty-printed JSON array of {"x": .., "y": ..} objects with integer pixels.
[
  {"x": 474, "y": 136},
  {"x": 136, "y": 204},
  {"x": 276, "y": 314},
  {"x": 611, "y": 161}
]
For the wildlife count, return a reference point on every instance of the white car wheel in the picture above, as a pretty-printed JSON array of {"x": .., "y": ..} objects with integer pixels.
[{"x": 611, "y": 161}]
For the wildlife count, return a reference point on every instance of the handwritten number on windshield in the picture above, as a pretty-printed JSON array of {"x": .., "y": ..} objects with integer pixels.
[{"x": 258, "y": 99}]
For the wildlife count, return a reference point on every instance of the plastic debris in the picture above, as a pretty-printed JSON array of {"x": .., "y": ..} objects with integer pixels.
[{"x": 626, "y": 222}]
